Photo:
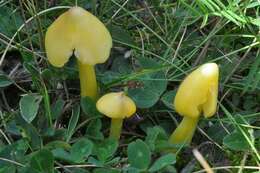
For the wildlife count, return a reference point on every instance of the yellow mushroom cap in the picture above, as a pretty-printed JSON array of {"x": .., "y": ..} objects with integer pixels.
[
  {"x": 79, "y": 31},
  {"x": 198, "y": 92},
  {"x": 116, "y": 105}
]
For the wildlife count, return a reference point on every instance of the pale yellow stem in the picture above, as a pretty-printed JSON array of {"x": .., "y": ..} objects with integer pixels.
[
  {"x": 184, "y": 132},
  {"x": 115, "y": 128},
  {"x": 88, "y": 82}
]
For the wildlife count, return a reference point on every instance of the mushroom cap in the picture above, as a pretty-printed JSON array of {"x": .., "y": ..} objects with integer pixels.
[
  {"x": 116, "y": 105},
  {"x": 198, "y": 92},
  {"x": 80, "y": 32}
]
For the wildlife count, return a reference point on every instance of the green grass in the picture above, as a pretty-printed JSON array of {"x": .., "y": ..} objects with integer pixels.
[{"x": 155, "y": 45}]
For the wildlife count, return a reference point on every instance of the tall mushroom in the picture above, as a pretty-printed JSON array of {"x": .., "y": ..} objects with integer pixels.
[
  {"x": 117, "y": 106},
  {"x": 196, "y": 95},
  {"x": 78, "y": 31}
]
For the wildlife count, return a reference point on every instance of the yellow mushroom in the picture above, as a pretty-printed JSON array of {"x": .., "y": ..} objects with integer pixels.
[
  {"x": 78, "y": 31},
  {"x": 117, "y": 106},
  {"x": 196, "y": 95}
]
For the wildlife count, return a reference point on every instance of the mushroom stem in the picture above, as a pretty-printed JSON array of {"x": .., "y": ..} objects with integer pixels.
[
  {"x": 184, "y": 132},
  {"x": 88, "y": 82},
  {"x": 115, "y": 128}
]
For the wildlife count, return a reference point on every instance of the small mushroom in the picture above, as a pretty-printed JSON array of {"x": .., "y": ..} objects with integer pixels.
[
  {"x": 117, "y": 106},
  {"x": 78, "y": 31},
  {"x": 196, "y": 95}
]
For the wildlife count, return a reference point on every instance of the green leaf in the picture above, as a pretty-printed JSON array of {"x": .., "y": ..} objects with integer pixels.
[
  {"x": 96, "y": 162},
  {"x": 30, "y": 133},
  {"x": 109, "y": 77},
  {"x": 43, "y": 161},
  {"x": 5, "y": 81},
  {"x": 57, "y": 108},
  {"x": 252, "y": 79},
  {"x": 89, "y": 107},
  {"x": 152, "y": 84},
  {"x": 217, "y": 127},
  {"x": 39, "y": 84},
  {"x": 94, "y": 130},
  {"x": 133, "y": 170},
  {"x": 33, "y": 71},
  {"x": 27, "y": 56},
  {"x": 120, "y": 35},
  {"x": 73, "y": 122},
  {"x": 106, "y": 170},
  {"x": 139, "y": 155},
  {"x": 153, "y": 135},
  {"x": 27, "y": 169},
  {"x": 79, "y": 170},
  {"x": 236, "y": 141},
  {"x": 58, "y": 144},
  {"x": 29, "y": 105},
  {"x": 148, "y": 63},
  {"x": 113, "y": 161},
  {"x": 168, "y": 98},
  {"x": 120, "y": 66},
  {"x": 105, "y": 149},
  {"x": 61, "y": 154},
  {"x": 9, "y": 169},
  {"x": 162, "y": 162},
  {"x": 81, "y": 150},
  {"x": 16, "y": 150},
  {"x": 10, "y": 20}
]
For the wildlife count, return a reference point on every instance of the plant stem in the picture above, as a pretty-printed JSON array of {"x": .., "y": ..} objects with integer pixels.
[
  {"x": 115, "y": 128},
  {"x": 88, "y": 82},
  {"x": 184, "y": 132},
  {"x": 47, "y": 106}
]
